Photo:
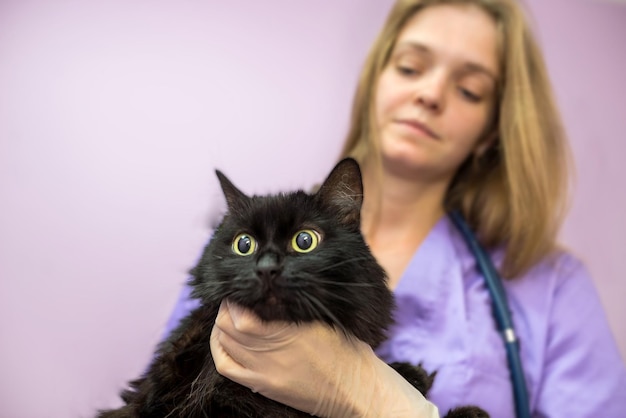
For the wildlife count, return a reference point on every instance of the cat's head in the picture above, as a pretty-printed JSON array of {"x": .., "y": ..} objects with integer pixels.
[{"x": 298, "y": 257}]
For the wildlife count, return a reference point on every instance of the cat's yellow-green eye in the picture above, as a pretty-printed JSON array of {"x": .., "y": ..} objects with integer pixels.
[
  {"x": 305, "y": 241},
  {"x": 244, "y": 244}
]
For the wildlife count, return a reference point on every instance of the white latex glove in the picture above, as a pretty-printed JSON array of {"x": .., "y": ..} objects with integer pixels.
[{"x": 311, "y": 367}]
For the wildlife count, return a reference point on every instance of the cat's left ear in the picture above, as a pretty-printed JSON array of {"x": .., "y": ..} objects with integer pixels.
[
  {"x": 343, "y": 188},
  {"x": 233, "y": 195}
]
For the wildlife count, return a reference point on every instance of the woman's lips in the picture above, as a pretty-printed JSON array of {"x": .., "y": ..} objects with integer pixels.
[{"x": 418, "y": 126}]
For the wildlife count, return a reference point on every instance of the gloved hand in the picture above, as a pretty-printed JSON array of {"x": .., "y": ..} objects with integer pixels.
[{"x": 311, "y": 367}]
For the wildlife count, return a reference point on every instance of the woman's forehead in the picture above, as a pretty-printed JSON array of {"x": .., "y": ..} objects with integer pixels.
[{"x": 461, "y": 34}]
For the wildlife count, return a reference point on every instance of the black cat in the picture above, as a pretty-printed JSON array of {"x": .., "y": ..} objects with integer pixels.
[{"x": 305, "y": 254}]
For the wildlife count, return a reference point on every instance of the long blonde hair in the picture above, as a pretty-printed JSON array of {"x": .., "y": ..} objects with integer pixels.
[{"x": 515, "y": 195}]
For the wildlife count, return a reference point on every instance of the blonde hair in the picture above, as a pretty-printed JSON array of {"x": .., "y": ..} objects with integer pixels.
[{"x": 515, "y": 195}]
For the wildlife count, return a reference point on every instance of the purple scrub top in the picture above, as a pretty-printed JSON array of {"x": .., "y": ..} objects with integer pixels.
[{"x": 444, "y": 321}]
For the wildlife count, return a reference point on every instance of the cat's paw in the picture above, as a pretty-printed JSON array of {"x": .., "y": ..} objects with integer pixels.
[
  {"x": 415, "y": 375},
  {"x": 467, "y": 412}
]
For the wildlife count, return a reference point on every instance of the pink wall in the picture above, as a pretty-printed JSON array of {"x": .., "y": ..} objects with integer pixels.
[
  {"x": 584, "y": 46},
  {"x": 113, "y": 116}
]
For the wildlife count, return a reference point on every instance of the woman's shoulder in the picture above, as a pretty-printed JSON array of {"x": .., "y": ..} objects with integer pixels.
[
  {"x": 559, "y": 283},
  {"x": 554, "y": 276},
  {"x": 559, "y": 268},
  {"x": 563, "y": 265}
]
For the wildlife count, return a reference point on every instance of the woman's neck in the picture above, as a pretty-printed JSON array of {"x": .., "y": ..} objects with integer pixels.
[
  {"x": 397, "y": 216},
  {"x": 397, "y": 209}
]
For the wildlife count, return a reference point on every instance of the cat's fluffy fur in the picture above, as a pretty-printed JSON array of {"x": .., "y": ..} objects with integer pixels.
[{"x": 339, "y": 282}]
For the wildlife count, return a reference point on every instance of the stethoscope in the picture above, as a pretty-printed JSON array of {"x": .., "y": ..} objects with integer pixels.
[{"x": 501, "y": 313}]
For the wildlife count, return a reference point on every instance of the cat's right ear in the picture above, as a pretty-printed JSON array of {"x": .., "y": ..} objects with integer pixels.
[{"x": 233, "y": 195}]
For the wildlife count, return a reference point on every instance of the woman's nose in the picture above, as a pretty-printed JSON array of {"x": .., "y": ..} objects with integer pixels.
[{"x": 430, "y": 92}]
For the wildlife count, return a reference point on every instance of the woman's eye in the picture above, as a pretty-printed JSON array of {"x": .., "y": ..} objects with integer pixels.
[
  {"x": 244, "y": 244},
  {"x": 469, "y": 95},
  {"x": 305, "y": 241},
  {"x": 407, "y": 70}
]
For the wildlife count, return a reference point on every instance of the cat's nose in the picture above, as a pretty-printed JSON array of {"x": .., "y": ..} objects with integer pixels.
[{"x": 268, "y": 266}]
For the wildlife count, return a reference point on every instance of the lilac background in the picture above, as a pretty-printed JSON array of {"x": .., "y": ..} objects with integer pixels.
[{"x": 113, "y": 116}]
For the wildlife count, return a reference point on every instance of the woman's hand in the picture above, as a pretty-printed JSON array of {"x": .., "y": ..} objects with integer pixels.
[{"x": 311, "y": 367}]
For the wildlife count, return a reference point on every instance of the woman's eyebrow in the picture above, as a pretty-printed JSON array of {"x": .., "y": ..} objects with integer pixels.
[
  {"x": 472, "y": 67},
  {"x": 419, "y": 47},
  {"x": 469, "y": 67}
]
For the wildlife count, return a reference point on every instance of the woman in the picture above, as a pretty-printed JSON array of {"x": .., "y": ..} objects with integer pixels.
[{"x": 453, "y": 112}]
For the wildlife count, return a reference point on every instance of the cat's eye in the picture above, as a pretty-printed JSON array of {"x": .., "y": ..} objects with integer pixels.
[
  {"x": 305, "y": 241},
  {"x": 244, "y": 244}
]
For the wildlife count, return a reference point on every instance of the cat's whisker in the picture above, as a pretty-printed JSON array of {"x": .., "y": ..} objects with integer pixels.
[
  {"x": 325, "y": 311},
  {"x": 344, "y": 299},
  {"x": 340, "y": 263},
  {"x": 309, "y": 308},
  {"x": 304, "y": 306},
  {"x": 320, "y": 281},
  {"x": 311, "y": 281}
]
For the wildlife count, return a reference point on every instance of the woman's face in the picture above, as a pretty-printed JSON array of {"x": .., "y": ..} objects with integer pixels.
[{"x": 436, "y": 96}]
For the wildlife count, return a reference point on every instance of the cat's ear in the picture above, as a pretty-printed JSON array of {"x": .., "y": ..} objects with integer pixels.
[
  {"x": 343, "y": 188},
  {"x": 234, "y": 196}
]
